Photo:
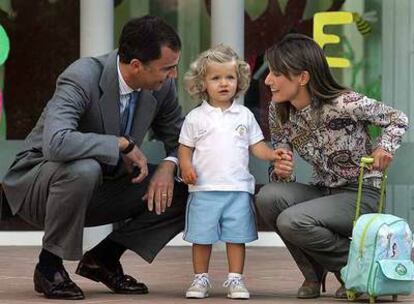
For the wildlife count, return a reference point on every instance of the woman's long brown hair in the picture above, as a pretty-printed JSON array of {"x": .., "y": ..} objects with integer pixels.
[{"x": 296, "y": 53}]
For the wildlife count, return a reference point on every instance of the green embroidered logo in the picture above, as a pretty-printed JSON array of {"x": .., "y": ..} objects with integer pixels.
[{"x": 401, "y": 269}]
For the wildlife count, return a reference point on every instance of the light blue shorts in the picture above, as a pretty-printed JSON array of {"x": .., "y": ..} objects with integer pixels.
[{"x": 228, "y": 216}]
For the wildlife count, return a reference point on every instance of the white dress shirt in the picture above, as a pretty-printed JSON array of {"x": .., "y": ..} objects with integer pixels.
[{"x": 124, "y": 91}]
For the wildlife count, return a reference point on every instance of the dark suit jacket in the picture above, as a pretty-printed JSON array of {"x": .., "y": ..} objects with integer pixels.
[{"x": 82, "y": 121}]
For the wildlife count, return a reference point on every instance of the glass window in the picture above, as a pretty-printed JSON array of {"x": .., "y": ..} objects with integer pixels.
[
  {"x": 44, "y": 39},
  {"x": 272, "y": 19},
  {"x": 192, "y": 22}
]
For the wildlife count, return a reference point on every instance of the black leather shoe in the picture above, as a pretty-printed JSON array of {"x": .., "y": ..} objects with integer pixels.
[
  {"x": 115, "y": 279},
  {"x": 62, "y": 287}
]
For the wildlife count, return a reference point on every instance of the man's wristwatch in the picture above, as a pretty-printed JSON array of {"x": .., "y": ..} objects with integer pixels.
[{"x": 131, "y": 145}]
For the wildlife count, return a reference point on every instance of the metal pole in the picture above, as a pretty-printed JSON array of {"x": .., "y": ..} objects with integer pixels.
[{"x": 96, "y": 38}]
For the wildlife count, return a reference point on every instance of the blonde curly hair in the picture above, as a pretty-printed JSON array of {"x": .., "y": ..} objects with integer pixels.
[{"x": 194, "y": 77}]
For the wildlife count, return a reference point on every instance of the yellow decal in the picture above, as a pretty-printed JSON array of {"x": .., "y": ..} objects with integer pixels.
[{"x": 330, "y": 18}]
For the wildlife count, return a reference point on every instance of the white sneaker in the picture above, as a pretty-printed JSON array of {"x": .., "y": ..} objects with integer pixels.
[
  {"x": 236, "y": 288},
  {"x": 199, "y": 288}
]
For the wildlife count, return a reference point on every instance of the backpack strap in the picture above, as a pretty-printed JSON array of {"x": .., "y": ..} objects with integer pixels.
[{"x": 365, "y": 162}]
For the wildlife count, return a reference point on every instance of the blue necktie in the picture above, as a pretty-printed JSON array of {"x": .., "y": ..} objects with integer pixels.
[{"x": 128, "y": 114}]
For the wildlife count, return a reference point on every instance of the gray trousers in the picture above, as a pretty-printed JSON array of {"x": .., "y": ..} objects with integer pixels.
[
  {"x": 66, "y": 197},
  {"x": 315, "y": 223}
]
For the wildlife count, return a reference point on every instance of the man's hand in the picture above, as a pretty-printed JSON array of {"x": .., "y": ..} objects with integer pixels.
[
  {"x": 382, "y": 159},
  {"x": 134, "y": 159},
  {"x": 161, "y": 187},
  {"x": 283, "y": 165}
]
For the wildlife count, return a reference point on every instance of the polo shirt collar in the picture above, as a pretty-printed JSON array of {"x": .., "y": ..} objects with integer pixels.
[{"x": 234, "y": 108}]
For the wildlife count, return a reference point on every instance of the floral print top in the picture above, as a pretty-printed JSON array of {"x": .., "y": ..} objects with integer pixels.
[{"x": 334, "y": 138}]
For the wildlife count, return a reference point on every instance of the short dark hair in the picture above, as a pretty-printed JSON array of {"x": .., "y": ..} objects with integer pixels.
[{"x": 142, "y": 39}]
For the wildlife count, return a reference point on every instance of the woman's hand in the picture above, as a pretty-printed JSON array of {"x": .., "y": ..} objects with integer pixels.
[
  {"x": 382, "y": 159},
  {"x": 283, "y": 165}
]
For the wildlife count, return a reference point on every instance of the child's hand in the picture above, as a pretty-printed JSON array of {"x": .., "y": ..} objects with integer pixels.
[
  {"x": 189, "y": 175},
  {"x": 283, "y": 164},
  {"x": 281, "y": 153}
]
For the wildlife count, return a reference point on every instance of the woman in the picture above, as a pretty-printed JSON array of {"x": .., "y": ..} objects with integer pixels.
[{"x": 326, "y": 124}]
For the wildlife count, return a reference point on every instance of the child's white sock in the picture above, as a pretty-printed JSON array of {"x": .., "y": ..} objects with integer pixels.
[
  {"x": 232, "y": 275},
  {"x": 236, "y": 287}
]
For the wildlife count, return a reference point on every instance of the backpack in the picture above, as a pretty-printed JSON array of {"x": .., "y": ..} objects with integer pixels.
[{"x": 379, "y": 260}]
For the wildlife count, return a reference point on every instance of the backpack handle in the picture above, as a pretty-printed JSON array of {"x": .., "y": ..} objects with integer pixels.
[{"x": 365, "y": 162}]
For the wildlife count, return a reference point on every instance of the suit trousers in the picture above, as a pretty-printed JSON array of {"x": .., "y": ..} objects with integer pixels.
[
  {"x": 315, "y": 223},
  {"x": 66, "y": 197}
]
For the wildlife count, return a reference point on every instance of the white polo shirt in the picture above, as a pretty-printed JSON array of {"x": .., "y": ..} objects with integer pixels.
[{"x": 221, "y": 141}]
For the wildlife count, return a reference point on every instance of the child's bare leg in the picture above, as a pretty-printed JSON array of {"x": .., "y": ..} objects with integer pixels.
[
  {"x": 201, "y": 258},
  {"x": 234, "y": 282},
  {"x": 235, "y": 257}
]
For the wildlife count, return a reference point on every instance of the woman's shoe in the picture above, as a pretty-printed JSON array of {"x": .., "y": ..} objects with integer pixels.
[
  {"x": 312, "y": 289},
  {"x": 309, "y": 290},
  {"x": 340, "y": 293}
]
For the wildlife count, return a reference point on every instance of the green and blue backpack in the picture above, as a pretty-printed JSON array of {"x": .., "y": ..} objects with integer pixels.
[{"x": 379, "y": 261}]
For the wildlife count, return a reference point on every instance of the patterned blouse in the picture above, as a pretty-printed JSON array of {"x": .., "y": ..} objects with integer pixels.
[{"x": 334, "y": 138}]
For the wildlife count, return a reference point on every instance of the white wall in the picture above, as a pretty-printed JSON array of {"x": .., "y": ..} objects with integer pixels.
[{"x": 34, "y": 238}]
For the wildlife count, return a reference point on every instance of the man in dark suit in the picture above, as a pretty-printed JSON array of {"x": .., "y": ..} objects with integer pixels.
[{"x": 81, "y": 165}]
